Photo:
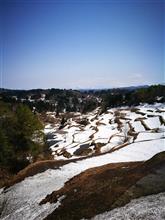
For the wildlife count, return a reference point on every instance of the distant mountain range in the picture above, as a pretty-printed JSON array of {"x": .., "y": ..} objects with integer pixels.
[
  {"x": 130, "y": 88},
  {"x": 81, "y": 90}
]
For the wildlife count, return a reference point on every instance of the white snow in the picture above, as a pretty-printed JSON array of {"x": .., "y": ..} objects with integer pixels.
[
  {"x": 147, "y": 208},
  {"x": 102, "y": 140},
  {"x": 149, "y": 136},
  {"x": 105, "y": 118},
  {"x": 105, "y": 131},
  {"x": 83, "y": 136},
  {"x": 22, "y": 199},
  {"x": 20, "y": 202},
  {"x": 102, "y": 127},
  {"x": 107, "y": 147},
  {"x": 49, "y": 129},
  {"x": 138, "y": 126},
  {"x": 116, "y": 140},
  {"x": 153, "y": 122}
]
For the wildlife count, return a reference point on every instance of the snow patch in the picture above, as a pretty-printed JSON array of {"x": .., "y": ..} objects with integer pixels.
[{"x": 147, "y": 208}]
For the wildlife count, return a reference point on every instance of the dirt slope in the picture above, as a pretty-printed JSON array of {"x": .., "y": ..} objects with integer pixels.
[{"x": 104, "y": 188}]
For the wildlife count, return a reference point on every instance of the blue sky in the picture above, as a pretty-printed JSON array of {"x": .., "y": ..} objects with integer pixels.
[{"x": 81, "y": 44}]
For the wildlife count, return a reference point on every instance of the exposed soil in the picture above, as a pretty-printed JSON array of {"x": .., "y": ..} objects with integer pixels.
[
  {"x": 33, "y": 169},
  {"x": 83, "y": 150},
  {"x": 5, "y": 175},
  {"x": 162, "y": 121},
  {"x": 41, "y": 166},
  {"x": 103, "y": 188}
]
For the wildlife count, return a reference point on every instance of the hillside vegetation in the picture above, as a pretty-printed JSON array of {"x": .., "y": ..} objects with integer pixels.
[
  {"x": 62, "y": 100},
  {"x": 81, "y": 159},
  {"x": 107, "y": 187},
  {"x": 21, "y": 136}
]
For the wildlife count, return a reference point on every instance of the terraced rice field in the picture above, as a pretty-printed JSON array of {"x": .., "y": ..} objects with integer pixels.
[
  {"x": 118, "y": 136},
  {"x": 107, "y": 132}
]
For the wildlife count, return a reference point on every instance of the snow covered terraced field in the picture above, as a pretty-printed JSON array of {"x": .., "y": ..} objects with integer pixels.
[
  {"x": 119, "y": 135},
  {"x": 135, "y": 129}
]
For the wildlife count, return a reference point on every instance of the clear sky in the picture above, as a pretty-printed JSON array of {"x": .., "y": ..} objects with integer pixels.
[{"x": 81, "y": 44}]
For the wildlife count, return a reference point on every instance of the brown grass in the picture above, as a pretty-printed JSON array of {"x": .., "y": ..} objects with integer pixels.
[
  {"x": 145, "y": 125},
  {"x": 162, "y": 121},
  {"x": 41, "y": 166},
  {"x": 160, "y": 111},
  {"x": 133, "y": 109},
  {"x": 99, "y": 189},
  {"x": 33, "y": 169},
  {"x": 93, "y": 191},
  {"x": 100, "y": 123},
  {"x": 119, "y": 123},
  {"x": 140, "y": 118},
  {"x": 5, "y": 175},
  {"x": 140, "y": 113}
]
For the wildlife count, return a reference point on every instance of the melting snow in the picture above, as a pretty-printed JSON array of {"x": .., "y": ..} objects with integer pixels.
[
  {"x": 147, "y": 208},
  {"x": 22, "y": 199},
  {"x": 104, "y": 129}
]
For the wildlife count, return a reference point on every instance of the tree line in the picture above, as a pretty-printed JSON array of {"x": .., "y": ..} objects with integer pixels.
[
  {"x": 21, "y": 137},
  {"x": 150, "y": 95}
]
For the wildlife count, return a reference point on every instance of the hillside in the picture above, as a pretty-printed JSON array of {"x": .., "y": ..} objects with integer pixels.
[
  {"x": 101, "y": 161},
  {"x": 107, "y": 187},
  {"x": 82, "y": 110},
  {"x": 95, "y": 133}
]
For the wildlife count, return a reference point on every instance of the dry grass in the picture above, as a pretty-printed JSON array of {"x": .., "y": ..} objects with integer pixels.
[
  {"x": 33, "y": 169},
  {"x": 119, "y": 123},
  {"x": 162, "y": 121},
  {"x": 100, "y": 189},
  {"x": 133, "y": 109},
  {"x": 93, "y": 191},
  {"x": 140, "y": 118},
  {"x": 5, "y": 176},
  {"x": 100, "y": 123},
  {"x": 145, "y": 125},
  {"x": 140, "y": 113},
  {"x": 160, "y": 111},
  {"x": 41, "y": 166}
]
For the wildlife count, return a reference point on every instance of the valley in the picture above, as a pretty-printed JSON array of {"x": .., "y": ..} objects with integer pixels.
[{"x": 96, "y": 157}]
